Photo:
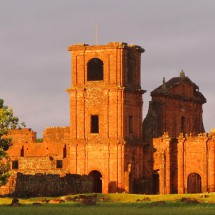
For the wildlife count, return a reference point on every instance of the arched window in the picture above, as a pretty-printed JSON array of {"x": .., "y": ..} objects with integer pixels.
[{"x": 95, "y": 70}]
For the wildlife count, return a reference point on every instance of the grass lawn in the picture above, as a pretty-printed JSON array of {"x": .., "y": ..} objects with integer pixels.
[{"x": 115, "y": 204}]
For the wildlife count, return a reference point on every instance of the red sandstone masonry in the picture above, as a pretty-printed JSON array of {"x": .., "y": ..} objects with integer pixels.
[
  {"x": 170, "y": 163},
  {"x": 195, "y": 154},
  {"x": 114, "y": 152},
  {"x": 27, "y": 185}
]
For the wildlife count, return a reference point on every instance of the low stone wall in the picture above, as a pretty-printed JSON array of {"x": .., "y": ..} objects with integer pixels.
[{"x": 51, "y": 185}]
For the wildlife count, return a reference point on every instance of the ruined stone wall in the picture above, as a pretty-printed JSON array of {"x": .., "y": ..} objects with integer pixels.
[
  {"x": 196, "y": 155},
  {"x": 40, "y": 164},
  {"x": 31, "y": 157},
  {"x": 196, "y": 159},
  {"x": 24, "y": 135},
  {"x": 50, "y": 185},
  {"x": 165, "y": 115},
  {"x": 162, "y": 162},
  {"x": 56, "y": 135},
  {"x": 133, "y": 156},
  {"x": 176, "y": 107},
  {"x": 175, "y": 160},
  {"x": 133, "y": 108}
]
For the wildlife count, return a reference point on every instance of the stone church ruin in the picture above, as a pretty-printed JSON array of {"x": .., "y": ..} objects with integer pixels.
[{"x": 108, "y": 147}]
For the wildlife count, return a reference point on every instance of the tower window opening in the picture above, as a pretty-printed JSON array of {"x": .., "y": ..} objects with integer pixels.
[
  {"x": 94, "y": 124},
  {"x": 130, "y": 124},
  {"x": 182, "y": 124},
  {"x": 95, "y": 70},
  {"x": 130, "y": 68},
  {"x": 64, "y": 152},
  {"x": 15, "y": 164},
  {"x": 22, "y": 152},
  {"x": 59, "y": 164}
]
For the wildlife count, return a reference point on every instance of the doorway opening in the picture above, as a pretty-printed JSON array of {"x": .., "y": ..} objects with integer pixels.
[
  {"x": 194, "y": 183},
  {"x": 97, "y": 181},
  {"x": 156, "y": 183}
]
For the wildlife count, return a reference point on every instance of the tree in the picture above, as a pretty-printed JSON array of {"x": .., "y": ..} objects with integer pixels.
[{"x": 7, "y": 122}]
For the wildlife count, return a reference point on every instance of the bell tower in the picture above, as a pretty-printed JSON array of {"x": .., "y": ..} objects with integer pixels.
[{"x": 106, "y": 115}]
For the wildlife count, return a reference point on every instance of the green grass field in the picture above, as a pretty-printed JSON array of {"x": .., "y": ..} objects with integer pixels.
[{"x": 115, "y": 204}]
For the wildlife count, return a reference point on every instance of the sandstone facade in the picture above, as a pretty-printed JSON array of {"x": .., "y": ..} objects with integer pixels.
[
  {"x": 106, "y": 114},
  {"x": 179, "y": 155},
  {"x": 185, "y": 164},
  {"x": 106, "y": 141},
  {"x": 176, "y": 107}
]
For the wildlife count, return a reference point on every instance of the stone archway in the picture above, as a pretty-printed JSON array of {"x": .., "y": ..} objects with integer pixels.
[
  {"x": 97, "y": 181},
  {"x": 194, "y": 183}
]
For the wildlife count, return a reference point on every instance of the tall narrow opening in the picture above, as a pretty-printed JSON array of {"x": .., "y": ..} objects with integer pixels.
[
  {"x": 95, "y": 70},
  {"x": 156, "y": 183},
  {"x": 64, "y": 151},
  {"x": 183, "y": 124},
  {"x": 97, "y": 181},
  {"x": 94, "y": 124},
  {"x": 130, "y": 124},
  {"x": 130, "y": 68},
  {"x": 22, "y": 152}
]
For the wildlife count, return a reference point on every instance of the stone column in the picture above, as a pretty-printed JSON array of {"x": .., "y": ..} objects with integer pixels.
[
  {"x": 211, "y": 166},
  {"x": 166, "y": 142},
  {"x": 181, "y": 164},
  {"x": 162, "y": 174},
  {"x": 119, "y": 167},
  {"x": 167, "y": 190},
  {"x": 204, "y": 187},
  {"x": 126, "y": 181},
  {"x": 202, "y": 139}
]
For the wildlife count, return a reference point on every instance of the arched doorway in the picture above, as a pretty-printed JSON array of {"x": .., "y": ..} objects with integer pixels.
[
  {"x": 194, "y": 183},
  {"x": 97, "y": 181},
  {"x": 156, "y": 183}
]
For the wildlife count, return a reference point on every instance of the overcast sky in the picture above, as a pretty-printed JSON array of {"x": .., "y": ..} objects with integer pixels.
[{"x": 35, "y": 63}]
